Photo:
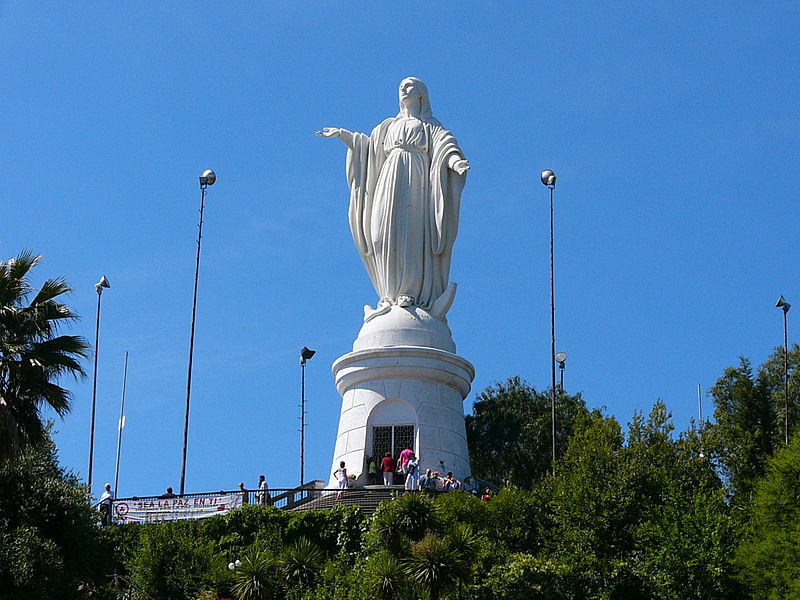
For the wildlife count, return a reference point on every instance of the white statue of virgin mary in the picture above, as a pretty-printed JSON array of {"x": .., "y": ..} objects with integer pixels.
[{"x": 405, "y": 182}]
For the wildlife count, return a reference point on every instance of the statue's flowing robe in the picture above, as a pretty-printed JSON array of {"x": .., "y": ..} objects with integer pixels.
[{"x": 404, "y": 207}]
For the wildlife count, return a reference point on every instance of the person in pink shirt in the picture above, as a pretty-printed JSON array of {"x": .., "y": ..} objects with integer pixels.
[{"x": 405, "y": 456}]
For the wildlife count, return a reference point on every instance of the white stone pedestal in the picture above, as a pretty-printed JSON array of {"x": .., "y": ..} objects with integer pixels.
[{"x": 403, "y": 385}]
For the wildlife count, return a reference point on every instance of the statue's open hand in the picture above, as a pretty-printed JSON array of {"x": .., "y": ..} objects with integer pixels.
[
  {"x": 461, "y": 166},
  {"x": 329, "y": 132}
]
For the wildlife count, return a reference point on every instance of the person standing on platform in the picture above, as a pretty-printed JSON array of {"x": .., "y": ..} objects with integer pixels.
[
  {"x": 106, "y": 501},
  {"x": 341, "y": 476},
  {"x": 262, "y": 496},
  {"x": 388, "y": 469},
  {"x": 405, "y": 456},
  {"x": 412, "y": 473},
  {"x": 373, "y": 471},
  {"x": 244, "y": 492}
]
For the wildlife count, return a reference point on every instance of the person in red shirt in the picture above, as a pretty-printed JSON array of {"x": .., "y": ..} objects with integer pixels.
[{"x": 388, "y": 469}]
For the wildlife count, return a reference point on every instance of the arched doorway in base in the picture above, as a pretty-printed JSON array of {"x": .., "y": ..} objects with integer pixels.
[{"x": 391, "y": 428}]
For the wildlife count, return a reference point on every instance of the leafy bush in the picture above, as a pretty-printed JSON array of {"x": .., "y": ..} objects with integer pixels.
[
  {"x": 525, "y": 577},
  {"x": 50, "y": 546},
  {"x": 338, "y": 529},
  {"x": 520, "y": 520},
  {"x": 172, "y": 561}
]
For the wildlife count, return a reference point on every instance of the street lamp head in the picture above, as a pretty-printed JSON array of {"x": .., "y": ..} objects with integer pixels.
[
  {"x": 103, "y": 283},
  {"x": 782, "y": 303},
  {"x": 549, "y": 178},
  {"x": 208, "y": 177},
  {"x": 306, "y": 354},
  {"x": 561, "y": 358}
]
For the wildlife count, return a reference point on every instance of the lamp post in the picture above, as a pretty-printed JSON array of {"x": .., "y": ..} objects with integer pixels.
[
  {"x": 549, "y": 180},
  {"x": 121, "y": 424},
  {"x": 785, "y": 306},
  {"x": 561, "y": 359},
  {"x": 305, "y": 355},
  {"x": 207, "y": 178},
  {"x": 103, "y": 283}
]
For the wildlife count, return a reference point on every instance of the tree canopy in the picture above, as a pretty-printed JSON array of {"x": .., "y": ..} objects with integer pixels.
[{"x": 509, "y": 432}]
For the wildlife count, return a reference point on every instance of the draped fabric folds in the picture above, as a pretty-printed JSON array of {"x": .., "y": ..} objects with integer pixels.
[{"x": 404, "y": 207}]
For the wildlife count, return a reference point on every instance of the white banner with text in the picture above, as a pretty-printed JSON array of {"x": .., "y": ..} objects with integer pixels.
[{"x": 174, "y": 509}]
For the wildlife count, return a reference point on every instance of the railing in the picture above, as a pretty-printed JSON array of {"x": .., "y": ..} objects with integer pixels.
[{"x": 206, "y": 504}]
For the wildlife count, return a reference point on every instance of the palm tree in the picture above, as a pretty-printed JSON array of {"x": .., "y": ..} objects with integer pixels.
[{"x": 33, "y": 357}]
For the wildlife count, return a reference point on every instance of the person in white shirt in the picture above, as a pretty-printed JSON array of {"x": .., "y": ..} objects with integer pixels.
[
  {"x": 106, "y": 500},
  {"x": 412, "y": 473},
  {"x": 262, "y": 496}
]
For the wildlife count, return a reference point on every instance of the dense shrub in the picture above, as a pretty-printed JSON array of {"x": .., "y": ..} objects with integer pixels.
[{"x": 50, "y": 546}]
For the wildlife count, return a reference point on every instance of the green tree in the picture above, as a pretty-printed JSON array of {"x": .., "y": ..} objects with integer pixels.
[
  {"x": 771, "y": 374},
  {"x": 770, "y": 554},
  {"x": 509, "y": 431},
  {"x": 746, "y": 430},
  {"x": 50, "y": 546},
  {"x": 642, "y": 517},
  {"x": 33, "y": 357}
]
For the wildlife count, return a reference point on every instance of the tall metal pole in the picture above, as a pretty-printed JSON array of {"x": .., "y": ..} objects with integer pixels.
[
  {"x": 302, "y": 419},
  {"x": 786, "y": 372},
  {"x": 785, "y": 306},
  {"x": 552, "y": 331},
  {"x": 103, "y": 283},
  {"x": 549, "y": 179},
  {"x": 305, "y": 355},
  {"x": 699, "y": 405},
  {"x": 121, "y": 424},
  {"x": 207, "y": 178}
]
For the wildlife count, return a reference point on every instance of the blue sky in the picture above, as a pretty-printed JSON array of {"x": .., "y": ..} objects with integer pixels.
[{"x": 673, "y": 128}]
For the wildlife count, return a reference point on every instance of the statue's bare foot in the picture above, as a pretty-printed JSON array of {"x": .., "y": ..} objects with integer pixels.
[
  {"x": 370, "y": 313},
  {"x": 405, "y": 301}
]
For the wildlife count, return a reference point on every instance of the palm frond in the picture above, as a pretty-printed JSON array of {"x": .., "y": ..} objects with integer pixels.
[{"x": 52, "y": 288}]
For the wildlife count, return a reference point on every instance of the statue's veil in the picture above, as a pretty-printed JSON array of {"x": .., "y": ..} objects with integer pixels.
[{"x": 426, "y": 114}]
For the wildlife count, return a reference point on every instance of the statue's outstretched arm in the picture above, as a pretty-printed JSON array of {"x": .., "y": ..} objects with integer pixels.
[
  {"x": 458, "y": 164},
  {"x": 343, "y": 134}
]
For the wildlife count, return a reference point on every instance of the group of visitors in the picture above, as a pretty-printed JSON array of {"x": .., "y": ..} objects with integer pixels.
[
  {"x": 262, "y": 495},
  {"x": 406, "y": 469},
  {"x": 433, "y": 481}
]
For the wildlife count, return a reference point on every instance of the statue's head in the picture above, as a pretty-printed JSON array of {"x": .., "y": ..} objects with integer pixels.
[{"x": 414, "y": 93}]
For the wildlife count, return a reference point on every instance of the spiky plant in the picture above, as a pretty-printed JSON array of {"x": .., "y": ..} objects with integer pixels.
[
  {"x": 33, "y": 357},
  {"x": 388, "y": 579},
  {"x": 257, "y": 578},
  {"x": 416, "y": 514},
  {"x": 301, "y": 562},
  {"x": 436, "y": 565}
]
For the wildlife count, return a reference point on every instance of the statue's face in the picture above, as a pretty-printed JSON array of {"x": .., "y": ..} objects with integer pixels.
[{"x": 409, "y": 90}]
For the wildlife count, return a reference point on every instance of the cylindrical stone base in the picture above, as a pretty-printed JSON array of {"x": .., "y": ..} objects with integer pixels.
[{"x": 386, "y": 390}]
